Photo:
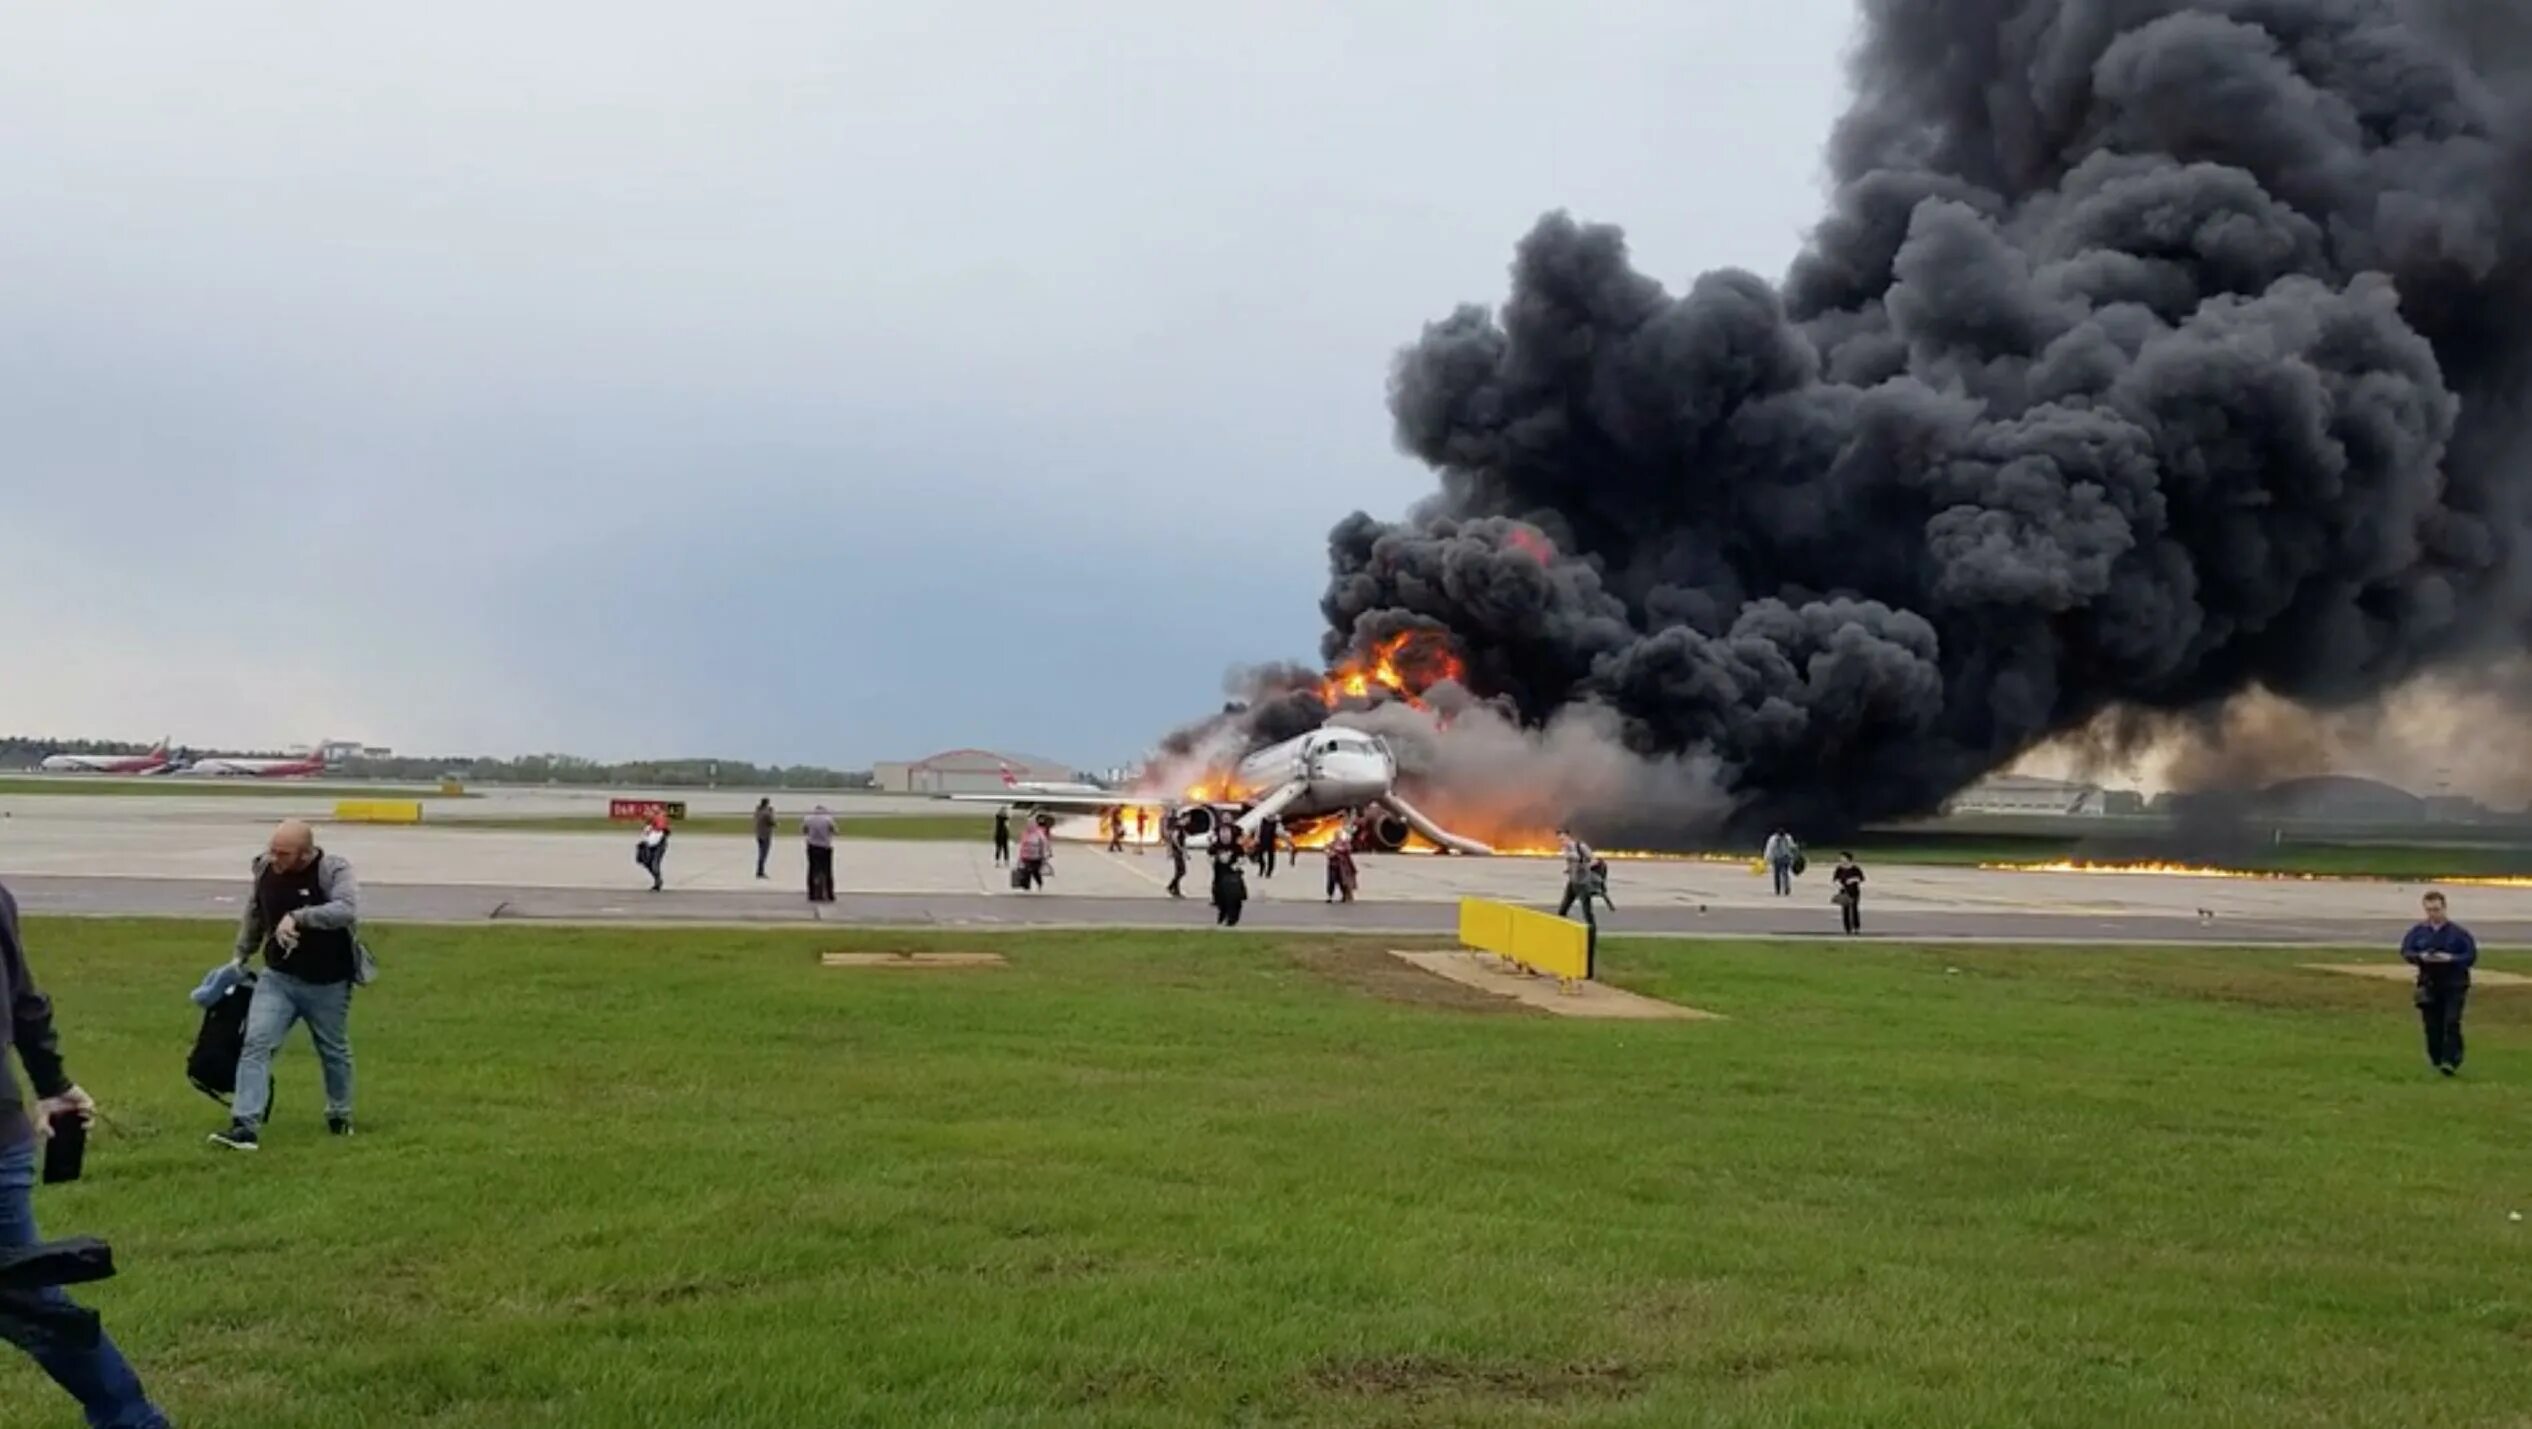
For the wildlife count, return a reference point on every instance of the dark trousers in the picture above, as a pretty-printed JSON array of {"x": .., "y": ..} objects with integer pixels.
[
  {"x": 1177, "y": 872},
  {"x": 1850, "y": 913},
  {"x": 1227, "y": 912},
  {"x": 2440, "y": 1008},
  {"x": 821, "y": 874},
  {"x": 1784, "y": 878},
  {"x": 1001, "y": 849},
  {"x": 656, "y": 860},
  {"x": 96, "y": 1374},
  {"x": 1266, "y": 860},
  {"x": 764, "y": 851},
  {"x": 1575, "y": 892}
]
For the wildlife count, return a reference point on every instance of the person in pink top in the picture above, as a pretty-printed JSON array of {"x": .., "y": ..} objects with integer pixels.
[{"x": 1037, "y": 851}]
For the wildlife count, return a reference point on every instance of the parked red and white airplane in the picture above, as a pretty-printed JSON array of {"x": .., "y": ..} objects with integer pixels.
[
  {"x": 1014, "y": 785},
  {"x": 317, "y": 763},
  {"x": 151, "y": 763}
]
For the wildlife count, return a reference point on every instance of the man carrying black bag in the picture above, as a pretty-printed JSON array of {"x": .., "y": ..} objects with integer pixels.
[
  {"x": 35, "y": 1314},
  {"x": 224, "y": 997}
]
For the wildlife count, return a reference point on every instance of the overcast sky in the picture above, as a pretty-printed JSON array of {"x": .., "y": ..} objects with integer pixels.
[{"x": 807, "y": 381}]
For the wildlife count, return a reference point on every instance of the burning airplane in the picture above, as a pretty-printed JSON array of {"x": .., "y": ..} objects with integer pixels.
[{"x": 1317, "y": 777}]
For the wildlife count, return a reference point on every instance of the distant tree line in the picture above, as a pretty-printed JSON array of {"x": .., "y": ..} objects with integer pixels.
[{"x": 25, "y": 753}]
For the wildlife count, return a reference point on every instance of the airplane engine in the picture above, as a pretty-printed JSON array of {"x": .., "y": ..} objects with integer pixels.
[
  {"x": 1197, "y": 823},
  {"x": 1382, "y": 831}
]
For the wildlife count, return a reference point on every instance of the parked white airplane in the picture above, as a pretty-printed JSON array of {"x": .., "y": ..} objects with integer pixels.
[
  {"x": 1319, "y": 774},
  {"x": 1013, "y": 785},
  {"x": 261, "y": 768},
  {"x": 150, "y": 763}
]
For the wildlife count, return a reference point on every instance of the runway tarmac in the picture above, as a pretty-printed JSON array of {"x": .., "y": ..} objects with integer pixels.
[{"x": 175, "y": 856}]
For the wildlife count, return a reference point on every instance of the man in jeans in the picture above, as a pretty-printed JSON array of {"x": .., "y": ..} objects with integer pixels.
[
  {"x": 95, "y": 1374},
  {"x": 304, "y": 916}
]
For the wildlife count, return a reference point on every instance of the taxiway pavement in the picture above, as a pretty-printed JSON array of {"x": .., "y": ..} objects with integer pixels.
[{"x": 143, "y": 855}]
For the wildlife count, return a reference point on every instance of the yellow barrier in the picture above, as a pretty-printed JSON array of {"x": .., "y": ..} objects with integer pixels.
[
  {"x": 378, "y": 811},
  {"x": 1532, "y": 939}
]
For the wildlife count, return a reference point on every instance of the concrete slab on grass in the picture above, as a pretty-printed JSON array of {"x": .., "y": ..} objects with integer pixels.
[
  {"x": 1490, "y": 974},
  {"x": 2402, "y": 972},
  {"x": 911, "y": 960}
]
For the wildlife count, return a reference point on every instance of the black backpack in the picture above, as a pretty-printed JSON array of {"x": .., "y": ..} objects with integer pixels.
[{"x": 212, "y": 1066}]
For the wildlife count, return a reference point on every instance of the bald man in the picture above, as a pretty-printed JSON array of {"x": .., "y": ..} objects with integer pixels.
[{"x": 304, "y": 917}]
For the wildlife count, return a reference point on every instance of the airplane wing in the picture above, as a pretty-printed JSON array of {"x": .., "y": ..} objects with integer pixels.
[{"x": 1085, "y": 802}]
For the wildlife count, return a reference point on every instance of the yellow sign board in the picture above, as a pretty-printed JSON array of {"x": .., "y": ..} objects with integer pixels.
[
  {"x": 378, "y": 811},
  {"x": 1535, "y": 940}
]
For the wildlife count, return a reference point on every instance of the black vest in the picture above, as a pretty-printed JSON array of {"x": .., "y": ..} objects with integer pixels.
[{"x": 324, "y": 954}]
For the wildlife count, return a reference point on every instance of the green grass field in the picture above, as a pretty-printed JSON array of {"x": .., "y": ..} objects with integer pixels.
[
  {"x": 927, "y": 828},
  {"x": 615, "y": 1178},
  {"x": 48, "y": 784}
]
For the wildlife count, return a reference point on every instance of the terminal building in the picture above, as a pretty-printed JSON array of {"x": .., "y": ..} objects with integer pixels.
[{"x": 966, "y": 771}]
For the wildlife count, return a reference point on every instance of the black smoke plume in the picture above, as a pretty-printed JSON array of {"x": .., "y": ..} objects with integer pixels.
[{"x": 2151, "y": 353}]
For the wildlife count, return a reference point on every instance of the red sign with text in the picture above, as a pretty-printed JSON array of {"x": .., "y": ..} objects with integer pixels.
[{"x": 639, "y": 811}]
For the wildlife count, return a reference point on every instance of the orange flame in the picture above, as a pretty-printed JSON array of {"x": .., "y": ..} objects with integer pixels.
[
  {"x": 1533, "y": 544},
  {"x": 1401, "y": 667},
  {"x": 2167, "y": 870}
]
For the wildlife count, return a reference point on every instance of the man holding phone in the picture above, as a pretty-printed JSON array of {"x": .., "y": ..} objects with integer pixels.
[
  {"x": 2442, "y": 951},
  {"x": 95, "y": 1374}
]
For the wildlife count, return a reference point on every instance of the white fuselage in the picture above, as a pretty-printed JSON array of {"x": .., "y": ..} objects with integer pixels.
[
  {"x": 1337, "y": 769},
  {"x": 105, "y": 763},
  {"x": 257, "y": 768}
]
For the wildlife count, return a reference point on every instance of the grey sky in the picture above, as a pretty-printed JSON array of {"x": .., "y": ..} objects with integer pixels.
[{"x": 819, "y": 381}]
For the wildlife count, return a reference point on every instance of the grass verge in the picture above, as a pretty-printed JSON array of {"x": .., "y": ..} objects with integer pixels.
[{"x": 628, "y": 1178}]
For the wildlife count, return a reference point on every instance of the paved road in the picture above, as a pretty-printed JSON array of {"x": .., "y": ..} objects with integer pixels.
[{"x": 429, "y": 903}]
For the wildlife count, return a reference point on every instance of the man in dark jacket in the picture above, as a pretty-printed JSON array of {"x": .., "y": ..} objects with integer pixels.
[
  {"x": 764, "y": 834},
  {"x": 95, "y": 1374},
  {"x": 303, "y": 915},
  {"x": 2442, "y": 951}
]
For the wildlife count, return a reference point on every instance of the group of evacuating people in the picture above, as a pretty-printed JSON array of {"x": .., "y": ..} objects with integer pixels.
[
  {"x": 1786, "y": 862},
  {"x": 817, "y": 838}
]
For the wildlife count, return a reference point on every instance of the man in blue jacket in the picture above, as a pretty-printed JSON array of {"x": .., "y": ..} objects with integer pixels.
[
  {"x": 95, "y": 1373},
  {"x": 2442, "y": 951}
]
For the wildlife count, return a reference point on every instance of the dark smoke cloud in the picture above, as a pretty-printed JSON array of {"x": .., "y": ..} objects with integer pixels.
[{"x": 2150, "y": 352}]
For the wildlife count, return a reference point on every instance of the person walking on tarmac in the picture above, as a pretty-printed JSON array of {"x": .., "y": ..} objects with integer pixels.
[
  {"x": 1849, "y": 877},
  {"x": 1142, "y": 827},
  {"x": 1230, "y": 886},
  {"x": 1001, "y": 837},
  {"x": 2443, "y": 952},
  {"x": 1269, "y": 834},
  {"x": 1116, "y": 831},
  {"x": 1342, "y": 874},
  {"x": 817, "y": 833},
  {"x": 764, "y": 834},
  {"x": 1784, "y": 860},
  {"x": 652, "y": 851},
  {"x": 1174, "y": 838},
  {"x": 1037, "y": 851},
  {"x": 1577, "y": 872}
]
